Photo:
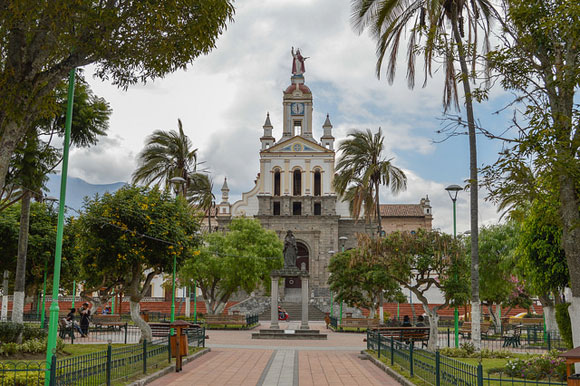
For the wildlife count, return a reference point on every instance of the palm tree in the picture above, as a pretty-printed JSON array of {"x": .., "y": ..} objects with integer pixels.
[
  {"x": 432, "y": 19},
  {"x": 167, "y": 154},
  {"x": 199, "y": 194},
  {"x": 362, "y": 169}
]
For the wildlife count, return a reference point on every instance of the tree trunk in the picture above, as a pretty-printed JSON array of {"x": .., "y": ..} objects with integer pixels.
[
  {"x": 20, "y": 278},
  {"x": 4, "y": 315},
  {"x": 473, "y": 188},
  {"x": 9, "y": 140},
  {"x": 433, "y": 327},
  {"x": 570, "y": 215},
  {"x": 494, "y": 317},
  {"x": 146, "y": 332},
  {"x": 378, "y": 204}
]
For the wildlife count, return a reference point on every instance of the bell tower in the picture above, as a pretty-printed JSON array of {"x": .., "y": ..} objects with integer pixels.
[{"x": 297, "y": 102}]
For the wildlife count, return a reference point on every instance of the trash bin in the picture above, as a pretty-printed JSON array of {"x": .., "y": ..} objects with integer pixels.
[
  {"x": 572, "y": 357},
  {"x": 145, "y": 315}
]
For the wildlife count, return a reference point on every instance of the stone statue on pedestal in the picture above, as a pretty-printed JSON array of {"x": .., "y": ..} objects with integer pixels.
[{"x": 290, "y": 250}]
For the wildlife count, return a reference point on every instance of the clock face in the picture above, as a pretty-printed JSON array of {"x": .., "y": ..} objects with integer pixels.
[{"x": 297, "y": 108}]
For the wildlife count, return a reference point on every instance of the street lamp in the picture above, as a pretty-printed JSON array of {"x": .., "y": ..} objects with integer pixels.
[
  {"x": 342, "y": 240},
  {"x": 54, "y": 309},
  {"x": 177, "y": 181},
  {"x": 453, "y": 190}
]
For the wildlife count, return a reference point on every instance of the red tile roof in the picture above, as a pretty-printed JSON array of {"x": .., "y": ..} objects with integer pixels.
[
  {"x": 402, "y": 210},
  {"x": 304, "y": 88}
]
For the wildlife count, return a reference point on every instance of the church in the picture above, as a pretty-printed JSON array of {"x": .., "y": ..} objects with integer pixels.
[{"x": 294, "y": 191}]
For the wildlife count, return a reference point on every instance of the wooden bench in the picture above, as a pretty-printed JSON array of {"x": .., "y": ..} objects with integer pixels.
[
  {"x": 466, "y": 328},
  {"x": 406, "y": 334},
  {"x": 225, "y": 320},
  {"x": 160, "y": 330},
  {"x": 359, "y": 323},
  {"x": 513, "y": 339},
  {"x": 526, "y": 321},
  {"x": 111, "y": 322}
]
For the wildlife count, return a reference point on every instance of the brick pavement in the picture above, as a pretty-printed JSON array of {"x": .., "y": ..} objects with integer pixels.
[{"x": 236, "y": 359}]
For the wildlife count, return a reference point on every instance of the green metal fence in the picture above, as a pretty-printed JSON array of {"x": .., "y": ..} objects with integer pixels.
[
  {"x": 22, "y": 373},
  {"x": 99, "y": 368},
  {"x": 437, "y": 369}
]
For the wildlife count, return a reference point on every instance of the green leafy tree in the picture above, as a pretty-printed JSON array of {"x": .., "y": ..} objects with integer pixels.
[
  {"x": 360, "y": 171},
  {"x": 41, "y": 240},
  {"x": 360, "y": 284},
  {"x": 240, "y": 259},
  {"x": 542, "y": 260},
  {"x": 419, "y": 262},
  {"x": 32, "y": 162},
  {"x": 497, "y": 244},
  {"x": 540, "y": 61},
  {"x": 128, "y": 237},
  {"x": 441, "y": 24},
  {"x": 128, "y": 41}
]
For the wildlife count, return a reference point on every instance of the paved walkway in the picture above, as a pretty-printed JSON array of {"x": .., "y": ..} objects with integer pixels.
[{"x": 236, "y": 359}]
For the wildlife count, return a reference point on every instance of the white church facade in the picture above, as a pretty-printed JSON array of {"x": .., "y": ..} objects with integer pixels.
[{"x": 294, "y": 190}]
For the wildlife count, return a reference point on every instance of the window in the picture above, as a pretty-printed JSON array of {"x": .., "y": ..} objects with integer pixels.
[
  {"x": 297, "y": 181},
  {"x": 296, "y": 208},
  {"x": 317, "y": 209},
  {"x": 317, "y": 183},
  {"x": 297, "y": 127},
  {"x": 277, "y": 183},
  {"x": 276, "y": 208}
]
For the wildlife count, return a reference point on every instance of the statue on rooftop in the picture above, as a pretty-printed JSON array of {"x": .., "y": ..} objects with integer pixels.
[{"x": 298, "y": 62}]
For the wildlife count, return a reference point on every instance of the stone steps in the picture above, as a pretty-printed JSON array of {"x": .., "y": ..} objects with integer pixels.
[
  {"x": 289, "y": 334},
  {"x": 294, "y": 311}
]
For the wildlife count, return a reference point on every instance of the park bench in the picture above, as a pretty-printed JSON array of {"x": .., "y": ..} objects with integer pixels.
[
  {"x": 359, "y": 323},
  {"x": 466, "y": 328},
  {"x": 225, "y": 320},
  {"x": 406, "y": 334},
  {"x": 526, "y": 321},
  {"x": 513, "y": 339},
  {"x": 112, "y": 322}
]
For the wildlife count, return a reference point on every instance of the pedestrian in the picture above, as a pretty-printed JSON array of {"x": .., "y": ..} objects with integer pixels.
[
  {"x": 70, "y": 321},
  {"x": 406, "y": 321},
  {"x": 85, "y": 312}
]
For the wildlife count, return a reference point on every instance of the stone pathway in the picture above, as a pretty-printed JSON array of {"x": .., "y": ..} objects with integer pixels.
[{"x": 236, "y": 359}]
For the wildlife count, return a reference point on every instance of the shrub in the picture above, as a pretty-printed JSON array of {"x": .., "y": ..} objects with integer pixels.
[
  {"x": 9, "y": 331},
  {"x": 32, "y": 332},
  {"x": 21, "y": 378},
  {"x": 469, "y": 352},
  {"x": 549, "y": 365},
  {"x": 564, "y": 323}
]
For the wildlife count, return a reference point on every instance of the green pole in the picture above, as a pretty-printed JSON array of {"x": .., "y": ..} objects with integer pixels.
[
  {"x": 53, "y": 321},
  {"x": 195, "y": 302},
  {"x": 173, "y": 292},
  {"x": 398, "y": 311},
  {"x": 456, "y": 311},
  {"x": 113, "y": 303},
  {"x": 43, "y": 295},
  {"x": 74, "y": 293}
]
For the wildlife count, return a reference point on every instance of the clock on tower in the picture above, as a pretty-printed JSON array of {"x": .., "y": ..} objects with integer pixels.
[{"x": 297, "y": 108}]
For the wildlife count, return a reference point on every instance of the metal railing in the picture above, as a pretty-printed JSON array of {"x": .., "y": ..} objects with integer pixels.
[
  {"x": 251, "y": 319},
  {"x": 436, "y": 369},
  {"x": 98, "y": 368}
]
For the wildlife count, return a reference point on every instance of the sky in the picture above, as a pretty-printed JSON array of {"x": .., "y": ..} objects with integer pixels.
[{"x": 222, "y": 100}]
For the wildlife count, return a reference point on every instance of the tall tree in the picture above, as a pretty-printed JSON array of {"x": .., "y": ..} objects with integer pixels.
[
  {"x": 362, "y": 168},
  {"x": 127, "y": 40},
  {"x": 128, "y": 237},
  {"x": 540, "y": 61},
  {"x": 441, "y": 23},
  {"x": 31, "y": 164},
  {"x": 240, "y": 259}
]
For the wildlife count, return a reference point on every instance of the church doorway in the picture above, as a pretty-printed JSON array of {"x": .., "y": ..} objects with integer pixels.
[{"x": 302, "y": 256}]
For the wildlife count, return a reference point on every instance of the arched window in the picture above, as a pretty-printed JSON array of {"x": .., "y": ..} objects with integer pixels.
[
  {"x": 317, "y": 183},
  {"x": 297, "y": 183},
  {"x": 277, "y": 178}
]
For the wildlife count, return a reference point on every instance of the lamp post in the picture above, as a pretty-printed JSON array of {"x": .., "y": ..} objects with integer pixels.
[
  {"x": 177, "y": 181},
  {"x": 54, "y": 309},
  {"x": 342, "y": 240},
  {"x": 453, "y": 190}
]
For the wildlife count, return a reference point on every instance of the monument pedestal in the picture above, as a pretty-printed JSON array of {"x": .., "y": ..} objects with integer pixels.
[{"x": 274, "y": 332}]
